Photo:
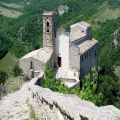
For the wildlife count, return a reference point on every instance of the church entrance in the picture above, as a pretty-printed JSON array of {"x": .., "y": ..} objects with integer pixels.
[{"x": 59, "y": 61}]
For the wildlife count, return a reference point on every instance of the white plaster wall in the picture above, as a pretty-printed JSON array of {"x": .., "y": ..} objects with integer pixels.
[
  {"x": 57, "y": 47},
  {"x": 62, "y": 49},
  {"x": 74, "y": 57}
]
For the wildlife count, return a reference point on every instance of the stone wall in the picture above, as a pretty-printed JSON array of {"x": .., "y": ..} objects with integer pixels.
[
  {"x": 74, "y": 57},
  {"x": 25, "y": 65},
  {"x": 88, "y": 60},
  {"x": 51, "y": 105}
]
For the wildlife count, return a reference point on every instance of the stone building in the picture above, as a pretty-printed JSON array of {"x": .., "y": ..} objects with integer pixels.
[
  {"x": 34, "y": 62},
  {"x": 72, "y": 54}
]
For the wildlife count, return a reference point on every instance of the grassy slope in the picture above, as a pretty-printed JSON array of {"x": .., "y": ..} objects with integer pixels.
[
  {"x": 9, "y": 13},
  {"x": 13, "y": 84},
  {"x": 11, "y": 10},
  {"x": 8, "y": 62},
  {"x": 106, "y": 12}
]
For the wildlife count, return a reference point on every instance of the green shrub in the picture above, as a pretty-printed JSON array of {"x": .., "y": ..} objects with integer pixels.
[
  {"x": 17, "y": 71},
  {"x": 3, "y": 77},
  {"x": 88, "y": 91}
]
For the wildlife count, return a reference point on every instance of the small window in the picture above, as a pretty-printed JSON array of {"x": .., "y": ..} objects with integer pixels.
[
  {"x": 74, "y": 74},
  {"x": 95, "y": 53},
  {"x": 85, "y": 55},
  {"x": 48, "y": 24},
  {"x": 48, "y": 30},
  {"x": 89, "y": 53},
  {"x": 31, "y": 65},
  {"x": 82, "y": 58}
]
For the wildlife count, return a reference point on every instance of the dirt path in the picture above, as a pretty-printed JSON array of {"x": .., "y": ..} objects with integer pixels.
[{"x": 15, "y": 105}]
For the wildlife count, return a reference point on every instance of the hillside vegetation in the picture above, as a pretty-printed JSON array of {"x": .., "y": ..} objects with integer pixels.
[
  {"x": 10, "y": 61},
  {"x": 22, "y": 34}
]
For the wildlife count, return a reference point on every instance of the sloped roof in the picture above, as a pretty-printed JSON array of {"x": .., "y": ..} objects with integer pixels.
[
  {"x": 76, "y": 31},
  {"x": 76, "y": 35},
  {"x": 87, "y": 45},
  {"x": 48, "y": 13},
  {"x": 42, "y": 54},
  {"x": 85, "y": 24}
]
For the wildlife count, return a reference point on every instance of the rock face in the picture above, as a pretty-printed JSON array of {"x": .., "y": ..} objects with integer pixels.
[
  {"x": 50, "y": 105},
  {"x": 63, "y": 9},
  {"x": 55, "y": 106},
  {"x": 117, "y": 71}
]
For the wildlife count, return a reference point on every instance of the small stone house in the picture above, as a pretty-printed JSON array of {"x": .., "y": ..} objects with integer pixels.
[
  {"x": 71, "y": 54},
  {"x": 35, "y": 61}
]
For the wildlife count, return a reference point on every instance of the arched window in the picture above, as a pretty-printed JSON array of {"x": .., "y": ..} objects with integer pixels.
[{"x": 48, "y": 24}]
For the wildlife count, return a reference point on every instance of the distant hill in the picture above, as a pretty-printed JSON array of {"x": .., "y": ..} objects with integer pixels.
[{"x": 26, "y": 30}]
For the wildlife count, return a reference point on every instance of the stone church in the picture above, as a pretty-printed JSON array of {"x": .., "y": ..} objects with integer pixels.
[{"x": 71, "y": 54}]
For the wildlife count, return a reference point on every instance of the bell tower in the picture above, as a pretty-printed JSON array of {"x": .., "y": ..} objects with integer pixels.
[{"x": 49, "y": 32}]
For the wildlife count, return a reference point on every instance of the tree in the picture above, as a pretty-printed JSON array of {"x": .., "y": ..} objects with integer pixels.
[
  {"x": 89, "y": 89},
  {"x": 17, "y": 71},
  {"x": 109, "y": 85},
  {"x": 3, "y": 77},
  {"x": 5, "y": 44},
  {"x": 88, "y": 92}
]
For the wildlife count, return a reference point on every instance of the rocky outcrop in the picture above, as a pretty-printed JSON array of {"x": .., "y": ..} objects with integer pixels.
[
  {"x": 63, "y": 9},
  {"x": 51, "y": 105}
]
